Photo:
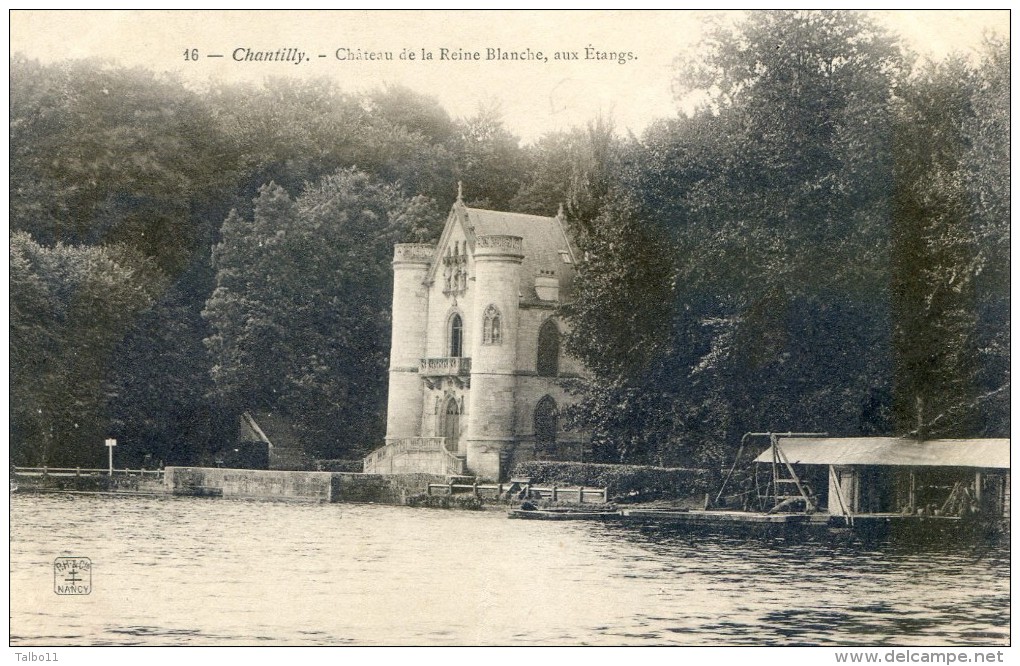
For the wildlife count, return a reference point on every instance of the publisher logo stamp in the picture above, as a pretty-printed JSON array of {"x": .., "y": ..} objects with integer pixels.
[{"x": 72, "y": 575}]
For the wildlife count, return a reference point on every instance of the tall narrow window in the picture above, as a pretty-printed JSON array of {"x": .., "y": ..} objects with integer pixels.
[
  {"x": 492, "y": 327},
  {"x": 456, "y": 336},
  {"x": 548, "y": 349},
  {"x": 546, "y": 426},
  {"x": 451, "y": 425}
]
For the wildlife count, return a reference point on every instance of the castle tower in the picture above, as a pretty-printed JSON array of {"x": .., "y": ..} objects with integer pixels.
[
  {"x": 497, "y": 260},
  {"x": 411, "y": 263}
]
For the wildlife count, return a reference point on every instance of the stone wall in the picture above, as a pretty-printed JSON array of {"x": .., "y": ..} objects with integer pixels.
[
  {"x": 381, "y": 488},
  {"x": 129, "y": 484},
  {"x": 355, "y": 487},
  {"x": 276, "y": 484},
  {"x": 290, "y": 485}
]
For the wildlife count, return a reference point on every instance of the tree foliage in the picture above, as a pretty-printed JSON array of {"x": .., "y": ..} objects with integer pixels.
[
  {"x": 300, "y": 312},
  {"x": 822, "y": 245},
  {"x": 70, "y": 306},
  {"x": 803, "y": 252},
  {"x": 951, "y": 228},
  {"x": 104, "y": 155}
]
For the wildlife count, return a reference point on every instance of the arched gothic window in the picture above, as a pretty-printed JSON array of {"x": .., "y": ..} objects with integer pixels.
[
  {"x": 548, "y": 349},
  {"x": 451, "y": 425},
  {"x": 492, "y": 327},
  {"x": 456, "y": 336},
  {"x": 546, "y": 426}
]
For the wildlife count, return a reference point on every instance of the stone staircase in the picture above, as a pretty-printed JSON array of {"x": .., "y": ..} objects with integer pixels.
[{"x": 409, "y": 455}]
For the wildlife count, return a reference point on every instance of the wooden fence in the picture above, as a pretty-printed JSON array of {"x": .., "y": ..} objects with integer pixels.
[
  {"x": 579, "y": 494},
  {"x": 84, "y": 471}
]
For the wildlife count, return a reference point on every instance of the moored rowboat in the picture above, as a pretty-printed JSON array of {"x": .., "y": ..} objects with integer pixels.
[{"x": 544, "y": 514}]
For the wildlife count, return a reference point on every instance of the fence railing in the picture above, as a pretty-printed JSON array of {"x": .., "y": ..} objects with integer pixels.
[
  {"x": 85, "y": 471},
  {"x": 579, "y": 494}
]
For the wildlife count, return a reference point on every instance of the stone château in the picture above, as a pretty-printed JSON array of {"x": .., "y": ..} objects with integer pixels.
[{"x": 476, "y": 357}]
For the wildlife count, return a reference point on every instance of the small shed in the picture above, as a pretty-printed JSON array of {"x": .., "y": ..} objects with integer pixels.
[
  {"x": 869, "y": 475},
  {"x": 275, "y": 440}
]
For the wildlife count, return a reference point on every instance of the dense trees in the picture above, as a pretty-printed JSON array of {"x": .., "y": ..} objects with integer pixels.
[
  {"x": 822, "y": 254},
  {"x": 70, "y": 305},
  {"x": 823, "y": 244},
  {"x": 103, "y": 155},
  {"x": 951, "y": 233},
  {"x": 770, "y": 201},
  {"x": 300, "y": 311}
]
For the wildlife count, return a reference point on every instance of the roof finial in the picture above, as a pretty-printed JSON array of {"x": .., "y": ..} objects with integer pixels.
[{"x": 460, "y": 191}]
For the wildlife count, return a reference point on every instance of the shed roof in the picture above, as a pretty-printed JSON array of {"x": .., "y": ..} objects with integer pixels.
[{"x": 893, "y": 451}]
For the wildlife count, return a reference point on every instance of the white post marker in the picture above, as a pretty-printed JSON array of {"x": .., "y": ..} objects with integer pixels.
[{"x": 110, "y": 443}]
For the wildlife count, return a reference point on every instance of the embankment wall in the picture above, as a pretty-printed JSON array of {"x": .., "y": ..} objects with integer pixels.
[{"x": 292, "y": 485}]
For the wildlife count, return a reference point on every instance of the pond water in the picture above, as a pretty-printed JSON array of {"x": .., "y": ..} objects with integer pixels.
[{"x": 191, "y": 571}]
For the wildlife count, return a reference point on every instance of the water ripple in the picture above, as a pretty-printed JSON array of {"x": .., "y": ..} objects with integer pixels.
[{"x": 192, "y": 571}]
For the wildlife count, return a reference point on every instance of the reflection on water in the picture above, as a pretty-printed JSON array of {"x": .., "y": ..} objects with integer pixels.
[{"x": 187, "y": 571}]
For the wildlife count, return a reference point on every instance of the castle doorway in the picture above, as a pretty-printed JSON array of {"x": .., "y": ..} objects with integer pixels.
[{"x": 451, "y": 425}]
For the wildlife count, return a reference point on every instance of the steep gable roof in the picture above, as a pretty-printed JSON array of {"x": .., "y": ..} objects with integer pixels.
[{"x": 546, "y": 245}]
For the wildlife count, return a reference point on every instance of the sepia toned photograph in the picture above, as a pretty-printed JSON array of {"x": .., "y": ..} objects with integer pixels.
[{"x": 511, "y": 328}]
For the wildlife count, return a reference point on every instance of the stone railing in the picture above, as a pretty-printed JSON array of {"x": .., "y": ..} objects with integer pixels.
[
  {"x": 498, "y": 242},
  {"x": 414, "y": 252},
  {"x": 448, "y": 366},
  {"x": 414, "y": 454},
  {"x": 416, "y": 444}
]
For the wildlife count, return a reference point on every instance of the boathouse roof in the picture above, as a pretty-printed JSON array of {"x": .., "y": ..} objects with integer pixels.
[{"x": 893, "y": 451}]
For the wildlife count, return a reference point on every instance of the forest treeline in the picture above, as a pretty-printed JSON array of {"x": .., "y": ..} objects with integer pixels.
[{"x": 822, "y": 244}]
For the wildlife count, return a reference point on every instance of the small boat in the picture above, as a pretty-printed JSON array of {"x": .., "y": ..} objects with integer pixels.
[{"x": 561, "y": 514}]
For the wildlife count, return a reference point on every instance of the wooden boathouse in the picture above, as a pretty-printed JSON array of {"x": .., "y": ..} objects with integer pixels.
[{"x": 855, "y": 476}]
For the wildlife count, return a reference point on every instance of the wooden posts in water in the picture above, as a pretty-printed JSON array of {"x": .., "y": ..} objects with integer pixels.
[
  {"x": 912, "y": 491},
  {"x": 836, "y": 484}
]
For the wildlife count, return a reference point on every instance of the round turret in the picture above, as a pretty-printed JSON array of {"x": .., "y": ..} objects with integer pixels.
[
  {"x": 497, "y": 265},
  {"x": 411, "y": 263}
]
